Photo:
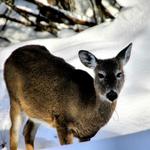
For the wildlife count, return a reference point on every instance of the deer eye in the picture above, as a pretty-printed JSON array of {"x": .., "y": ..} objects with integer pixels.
[
  {"x": 101, "y": 76},
  {"x": 119, "y": 75}
]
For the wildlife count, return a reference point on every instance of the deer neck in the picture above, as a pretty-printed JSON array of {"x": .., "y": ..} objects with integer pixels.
[{"x": 105, "y": 108}]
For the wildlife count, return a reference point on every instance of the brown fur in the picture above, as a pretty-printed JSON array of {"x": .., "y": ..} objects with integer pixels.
[{"x": 45, "y": 87}]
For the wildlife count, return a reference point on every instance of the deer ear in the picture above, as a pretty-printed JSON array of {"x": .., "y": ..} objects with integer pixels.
[
  {"x": 88, "y": 59},
  {"x": 124, "y": 55}
]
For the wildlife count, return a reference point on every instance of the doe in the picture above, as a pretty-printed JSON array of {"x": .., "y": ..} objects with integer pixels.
[{"x": 47, "y": 89}]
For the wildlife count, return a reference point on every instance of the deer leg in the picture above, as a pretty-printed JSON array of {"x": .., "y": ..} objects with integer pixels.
[
  {"x": 16, "y": 120},
  {"x": 65, "y": 136},
  {"x": 29, "y": 133}
]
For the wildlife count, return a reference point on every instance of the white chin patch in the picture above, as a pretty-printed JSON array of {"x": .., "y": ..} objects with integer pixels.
[{"x": 104, "y": 98}]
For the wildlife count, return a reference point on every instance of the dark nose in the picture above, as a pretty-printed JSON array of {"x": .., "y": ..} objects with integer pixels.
[{"x": 112, "y": 95}]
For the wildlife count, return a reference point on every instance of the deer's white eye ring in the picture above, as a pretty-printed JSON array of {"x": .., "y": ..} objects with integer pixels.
[
  {"x": 101, "y": 76},
  {"x": 119, "y": 74}
]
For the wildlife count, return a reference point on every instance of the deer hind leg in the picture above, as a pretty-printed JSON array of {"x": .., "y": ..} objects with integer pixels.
[
  {"x": 65, "y": 136},
  {"x": 16, "y": 121},
  {"x": 29, "y": 133}
]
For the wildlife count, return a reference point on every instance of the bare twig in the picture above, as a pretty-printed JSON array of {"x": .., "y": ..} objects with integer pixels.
[
  {"x": 104, "y": 13},
  {"x": 14, "y": 20},
  {"x": 5, "y": 39},
  {"x": 94, "y": 10},
  {"x": 4, "y": 26}
]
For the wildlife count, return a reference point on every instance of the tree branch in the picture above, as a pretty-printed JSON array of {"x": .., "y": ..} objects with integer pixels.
[
  {"x": 59, "y": 15},
  {"x": 14, "y": 20}
]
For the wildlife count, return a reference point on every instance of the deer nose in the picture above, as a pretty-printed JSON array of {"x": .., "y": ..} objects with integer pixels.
[{"x": 112, "y": 95}]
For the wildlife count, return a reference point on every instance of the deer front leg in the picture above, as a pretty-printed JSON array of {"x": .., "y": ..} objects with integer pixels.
[
  {"x": 65, "y": 136},
  {"x": 16, "y": 121}
]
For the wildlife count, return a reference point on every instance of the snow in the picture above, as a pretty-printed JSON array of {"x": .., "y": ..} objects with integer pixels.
[
  {"x": 106, "y": 40},
  {"x": 27, "y": 6},
  {"x": 128, "y": 142},
  {"x": 128, "y": 3}
]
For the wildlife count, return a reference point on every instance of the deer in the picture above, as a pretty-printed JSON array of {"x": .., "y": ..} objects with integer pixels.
[{"x": 49, "y": 90}]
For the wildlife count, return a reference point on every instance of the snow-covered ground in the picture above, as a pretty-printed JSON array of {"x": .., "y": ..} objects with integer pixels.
[
  {"x": 127, "y": 142},
  {"x": 133, "y": 109}
]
